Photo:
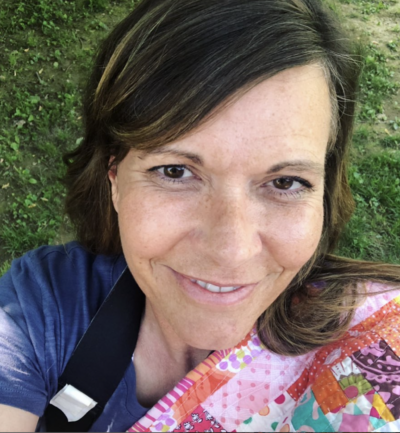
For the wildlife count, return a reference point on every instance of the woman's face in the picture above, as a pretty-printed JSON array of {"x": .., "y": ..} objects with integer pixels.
[{"x": 237, "y": 203}]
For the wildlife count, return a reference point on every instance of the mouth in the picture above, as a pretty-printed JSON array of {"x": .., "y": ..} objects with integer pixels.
[
  {"x": 213, "y": 293},
  {"x": 216, "y": 288}
]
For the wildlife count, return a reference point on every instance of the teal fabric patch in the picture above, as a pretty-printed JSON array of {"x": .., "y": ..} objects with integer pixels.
[
  {"x": 358, "y": 411},
  {"x": 377, "y": 423},
  {"x": 309, "y": 414}
]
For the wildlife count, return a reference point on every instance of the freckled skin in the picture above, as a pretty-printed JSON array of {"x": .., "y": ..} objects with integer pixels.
[{"x": 225, "y": 224}]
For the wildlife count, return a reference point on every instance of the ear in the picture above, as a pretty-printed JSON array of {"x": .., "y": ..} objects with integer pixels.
[{"x": 113, "y": 178}]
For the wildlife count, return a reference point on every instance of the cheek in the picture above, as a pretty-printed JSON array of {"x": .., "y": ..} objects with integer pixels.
[
  {"x": 149, "y": 224},
  {"x": 294, "y": 234}
]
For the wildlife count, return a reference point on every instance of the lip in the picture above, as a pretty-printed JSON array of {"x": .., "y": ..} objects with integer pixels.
[{"x": 203, "y": 296}]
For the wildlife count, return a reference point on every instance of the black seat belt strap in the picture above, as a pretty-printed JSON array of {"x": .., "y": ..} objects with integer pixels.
[{"x": 102, "y": 355}]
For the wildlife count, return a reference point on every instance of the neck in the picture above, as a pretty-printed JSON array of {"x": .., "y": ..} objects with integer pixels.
[
  {"x": 160, "y": 336},
  {"x": 161, "y": 359}
]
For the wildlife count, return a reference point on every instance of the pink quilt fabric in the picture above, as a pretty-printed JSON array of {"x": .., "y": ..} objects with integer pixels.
[{"x": 352, "y": 385}]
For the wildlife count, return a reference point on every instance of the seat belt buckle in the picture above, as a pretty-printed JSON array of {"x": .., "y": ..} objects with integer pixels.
[{"x": 73, "y": 403}]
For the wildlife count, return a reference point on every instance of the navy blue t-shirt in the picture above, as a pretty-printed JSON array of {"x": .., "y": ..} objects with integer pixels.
[{"x": 47, "y": 300}]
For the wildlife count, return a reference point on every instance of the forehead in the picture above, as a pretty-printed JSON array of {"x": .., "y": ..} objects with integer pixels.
[{"x": 288, "y": 113}]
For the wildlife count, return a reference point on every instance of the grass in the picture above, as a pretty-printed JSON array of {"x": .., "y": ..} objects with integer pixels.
[
  {"x": 391, "y": 142},
  {"x": 47, "y": 50},
  {"x": 45, "y": 57},
  {"x": 376, "y": 83},
  {"x": 367, "y": 7},
  {"x": 374, "y": 230}
]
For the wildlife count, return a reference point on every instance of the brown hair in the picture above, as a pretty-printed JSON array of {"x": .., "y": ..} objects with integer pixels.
[{"x": 169, "y": 66}]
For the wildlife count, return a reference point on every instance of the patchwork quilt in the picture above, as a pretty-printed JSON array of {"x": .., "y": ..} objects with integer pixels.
[{"x": 352, "y": 385}]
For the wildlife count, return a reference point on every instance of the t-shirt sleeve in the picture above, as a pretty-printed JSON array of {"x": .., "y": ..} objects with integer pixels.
[
  {"x": 47, "y": 300},
  {"x": 22, "y": 340}
]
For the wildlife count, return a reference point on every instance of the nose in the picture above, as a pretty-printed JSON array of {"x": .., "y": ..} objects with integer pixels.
[{"x": 231, "y": 230}]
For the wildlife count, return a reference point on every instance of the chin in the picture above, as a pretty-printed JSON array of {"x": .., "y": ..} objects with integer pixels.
[{"x": 217, "y": 339}]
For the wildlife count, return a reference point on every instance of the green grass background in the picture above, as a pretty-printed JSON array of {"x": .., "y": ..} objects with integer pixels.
[{"x": 45, "y": 57}]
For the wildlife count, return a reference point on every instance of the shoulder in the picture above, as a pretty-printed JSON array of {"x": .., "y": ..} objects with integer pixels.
[
  {"x": 58, "y": 289},
  {"x": 68, "y": 262},
  {"x": 47, "y": 300},
  {"x": 64, "y": 271}
]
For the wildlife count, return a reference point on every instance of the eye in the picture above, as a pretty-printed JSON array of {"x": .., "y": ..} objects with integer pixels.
[
  {"x": 285, "y": 183},
  {"x": 289, "y": 187},
  {"x": 174, "y": 171}
]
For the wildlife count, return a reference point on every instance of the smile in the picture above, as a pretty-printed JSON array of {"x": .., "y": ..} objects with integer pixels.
[
  {"x": 215, "y": 289},
  {"x": 215, "y": 294}
]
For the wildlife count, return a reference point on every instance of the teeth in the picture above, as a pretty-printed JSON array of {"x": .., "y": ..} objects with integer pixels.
[
  {"x": 211, "y": 288},
  {"x": 201, "y": 283},
  {"x": 228, "y": 289},
  {"x": 215, "y": 289}
]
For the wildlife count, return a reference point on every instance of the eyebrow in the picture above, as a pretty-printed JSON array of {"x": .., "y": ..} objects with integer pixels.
[
  {"x": 167, "y": 151},
  {"x": 300, "y": 164}
]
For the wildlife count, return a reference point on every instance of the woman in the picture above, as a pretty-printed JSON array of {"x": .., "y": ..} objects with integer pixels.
[{"x": 214, "y": 167}]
